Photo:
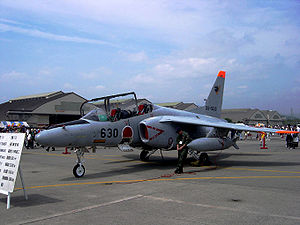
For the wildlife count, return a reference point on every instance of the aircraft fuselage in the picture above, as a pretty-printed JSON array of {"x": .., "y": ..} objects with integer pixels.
[{"x": 96, "y": 133}]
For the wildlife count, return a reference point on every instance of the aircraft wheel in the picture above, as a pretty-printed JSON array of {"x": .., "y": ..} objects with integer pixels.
[
  {"x": 204, "y": 159},
  {"x": 78, "y": 170},
  {"x": 143, "y": 155}
]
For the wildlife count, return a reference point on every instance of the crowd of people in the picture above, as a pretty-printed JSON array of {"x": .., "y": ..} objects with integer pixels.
[{"x": 292, "y": 139}]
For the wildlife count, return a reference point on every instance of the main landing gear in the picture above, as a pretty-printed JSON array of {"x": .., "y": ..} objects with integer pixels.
[
  {"x": 145, "y": 154},
  {"x": 202, "y": 159},
  {"x": 79, "y": 169}
]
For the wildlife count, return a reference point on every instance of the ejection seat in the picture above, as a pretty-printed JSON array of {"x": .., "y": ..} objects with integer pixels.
[
  {"x": 141, "y": 109},
  {"x": 115, "y": 114},
  {"x": 144, "y": 108}
]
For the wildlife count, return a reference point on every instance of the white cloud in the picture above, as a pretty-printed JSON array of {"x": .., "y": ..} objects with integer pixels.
[
  {"x": 155, "y": 14},
  {"x": 51, "y": 36},
  {"x": 48, "y": 72},
  {"x": 101, "y": 87},
  {"x": 91, "y": 75},
  {"x": 165, "y": 69},
  {"x": 68, "y": 86},
  {"x": 196, "y": 63},
  {"x": 14, "y": 76},
  {"x": 142, "y": 79},
  {"x": 2, "y": 20},
  {"x": 175, "y": 79},
  {"x": 175, "y": 71},
  {"x": 45, "y": 72},
  {"x": 243, "y": 87},
  {"x": 168, "y": 21},
  {"x": 135, "y": 57},
  {"x": 99, "y": 73}
]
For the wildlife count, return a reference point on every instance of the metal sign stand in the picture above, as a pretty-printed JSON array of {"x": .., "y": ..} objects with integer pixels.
[{"x": 23, "y": 186}]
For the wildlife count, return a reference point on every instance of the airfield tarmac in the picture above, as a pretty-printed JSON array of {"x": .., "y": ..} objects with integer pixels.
[{"x": 246, "y": 186}]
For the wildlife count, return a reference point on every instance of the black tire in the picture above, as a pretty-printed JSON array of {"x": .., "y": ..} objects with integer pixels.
[
  {"x": 205, "y": 159},
  {"x": 143, "y": 155},
  {"x": 78, "y": 170}
]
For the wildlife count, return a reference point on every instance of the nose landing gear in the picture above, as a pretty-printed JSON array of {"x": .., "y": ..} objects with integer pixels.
[{"x": 79, "y": 169}]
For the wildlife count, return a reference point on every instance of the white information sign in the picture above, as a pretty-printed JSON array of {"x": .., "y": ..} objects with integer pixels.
[{"x": 11, "y": 145}]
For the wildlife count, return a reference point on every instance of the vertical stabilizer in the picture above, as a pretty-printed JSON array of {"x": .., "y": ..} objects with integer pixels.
[{"x": 213, "y": 104}]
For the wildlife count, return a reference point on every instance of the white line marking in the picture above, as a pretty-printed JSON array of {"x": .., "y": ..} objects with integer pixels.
[{"x": 81, "y": 209}]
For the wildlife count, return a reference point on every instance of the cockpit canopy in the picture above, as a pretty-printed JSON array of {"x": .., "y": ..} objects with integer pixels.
[
  {"x": 96, "y": 115},
  {"x": 114, "y": 107}
]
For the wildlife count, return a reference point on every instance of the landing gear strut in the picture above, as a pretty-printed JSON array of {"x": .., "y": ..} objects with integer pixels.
[
  {"x": 79, "y": 169},
  {"x": 145, "y": 154}
]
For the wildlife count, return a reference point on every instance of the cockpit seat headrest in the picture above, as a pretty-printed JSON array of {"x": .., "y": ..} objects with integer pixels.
[
  {"x": 113, "y": 112},
  {"x": 141, "y": 109}
]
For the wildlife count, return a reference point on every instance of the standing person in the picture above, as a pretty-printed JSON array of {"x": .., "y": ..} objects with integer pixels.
[
  {"x": 295, "y": 138},
  {"x": 182, "y": 140},
  {"x": 29, "y": 140},
  {"x": 289, "y": 138}
]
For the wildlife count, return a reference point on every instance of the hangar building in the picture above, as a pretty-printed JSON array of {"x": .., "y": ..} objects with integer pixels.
[
  {"x": 253, "y": 116},
  {"x": 246, "y": 116},
  {"x": 43, "y": 109},
  {"x": 179, "y": 105}
]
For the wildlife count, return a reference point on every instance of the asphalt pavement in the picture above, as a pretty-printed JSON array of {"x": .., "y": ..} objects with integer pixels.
[{"x": 245, "y": 186}]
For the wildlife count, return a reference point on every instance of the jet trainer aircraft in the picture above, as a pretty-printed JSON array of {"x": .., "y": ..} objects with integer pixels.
[{"x": 147, "y": 126}]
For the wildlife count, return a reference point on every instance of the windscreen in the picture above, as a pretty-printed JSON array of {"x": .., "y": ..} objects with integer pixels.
[{"x": 96, "y": 115}]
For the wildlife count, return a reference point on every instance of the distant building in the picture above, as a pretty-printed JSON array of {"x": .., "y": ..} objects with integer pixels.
[
  {"x": 43, "y": 109},
  {"x": 253, "y": 116},
  {"x": 179, "y": 105}
]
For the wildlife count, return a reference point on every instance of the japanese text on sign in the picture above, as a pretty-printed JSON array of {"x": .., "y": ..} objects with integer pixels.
[{"x": 11, "y": 145}]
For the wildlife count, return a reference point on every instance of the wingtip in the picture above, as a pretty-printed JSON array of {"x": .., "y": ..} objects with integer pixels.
[
  {"x": 221, "y": 74},
  {"x": 287, "y": 132}
]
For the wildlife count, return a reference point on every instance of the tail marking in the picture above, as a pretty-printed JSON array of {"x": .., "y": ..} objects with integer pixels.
[{"x": 221, "y": 74}]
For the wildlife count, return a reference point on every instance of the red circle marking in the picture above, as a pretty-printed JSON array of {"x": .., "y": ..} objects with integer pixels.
[{"x": 127, "y": 132}]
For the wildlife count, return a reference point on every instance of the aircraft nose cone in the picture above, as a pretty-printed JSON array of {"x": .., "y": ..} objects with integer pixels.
[{"x": 56, "y": 137}]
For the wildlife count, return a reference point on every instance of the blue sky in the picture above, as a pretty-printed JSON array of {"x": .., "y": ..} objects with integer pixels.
[{"x": 164, "y": 50}]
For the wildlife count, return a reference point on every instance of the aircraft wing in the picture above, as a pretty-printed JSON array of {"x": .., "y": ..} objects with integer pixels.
[{"x": 218, "y": 124}]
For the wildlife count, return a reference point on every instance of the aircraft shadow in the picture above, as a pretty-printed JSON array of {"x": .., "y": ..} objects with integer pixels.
[
  {"x": 218, "y": 161},
  {"x": 33, "y": 200},
  {"x": 167, "y": 164},
  {"x": 156, "y": 162}
]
